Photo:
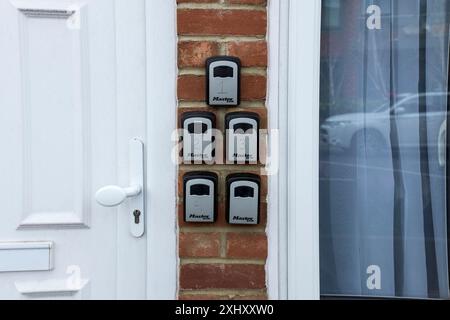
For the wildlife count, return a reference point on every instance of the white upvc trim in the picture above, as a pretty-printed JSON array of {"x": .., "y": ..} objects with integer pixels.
[
  {"x": 272, "y": 270},
  {"x": 303, "y": 149},
  {"x": 162, "y": 261},
  {"x": 294, "y": 69},
  {"x": 277, "y": 106},
  {"x": 284, "y": 134}
]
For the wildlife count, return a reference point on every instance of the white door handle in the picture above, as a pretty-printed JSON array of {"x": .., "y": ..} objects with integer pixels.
[{"x": 112, "y": 196}]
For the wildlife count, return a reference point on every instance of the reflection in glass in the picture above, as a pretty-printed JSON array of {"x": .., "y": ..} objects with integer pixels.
[{"x": 383, "y": 153}]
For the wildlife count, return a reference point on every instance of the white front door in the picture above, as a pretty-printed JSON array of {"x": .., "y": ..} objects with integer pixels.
[{"x": 72, "y": 96}]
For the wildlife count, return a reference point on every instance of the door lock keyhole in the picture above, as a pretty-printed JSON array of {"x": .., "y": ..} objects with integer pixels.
[{"x": 136, "y": 214}]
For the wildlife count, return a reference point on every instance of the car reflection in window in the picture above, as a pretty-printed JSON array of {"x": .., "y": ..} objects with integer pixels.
[{"x": 352, "y": 132}]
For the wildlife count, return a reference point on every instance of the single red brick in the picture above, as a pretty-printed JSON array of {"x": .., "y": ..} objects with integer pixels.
[
  {"x": 252, "y": 2},
  {"x": 222, "y": 276},
  {"x": 247, "y": 245},
  {"x": 192, "y": 87},
  {"x": 251, "y": 53},
  {"x": 194, "y": 53},
  {"x": 253, "y": 87},
  {"x": 199, "y": 245},
  {"x": 221, "y": 22}
]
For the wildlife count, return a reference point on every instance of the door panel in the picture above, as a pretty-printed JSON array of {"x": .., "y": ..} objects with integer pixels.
[
  {"x": 66, "y": 119},
  {"x": 54, "y": 115}
]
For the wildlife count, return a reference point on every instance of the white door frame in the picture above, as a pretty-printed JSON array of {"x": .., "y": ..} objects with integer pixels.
[
  {"x": 294, "y": 37},
  {"x": 162, "y": 261}
]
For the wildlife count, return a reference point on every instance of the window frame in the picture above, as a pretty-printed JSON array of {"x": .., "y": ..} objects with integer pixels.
[
  {"x": 294, "y": 74},
  {"x": 303, "y": 149},
  {"x": 162, "y": 255}
]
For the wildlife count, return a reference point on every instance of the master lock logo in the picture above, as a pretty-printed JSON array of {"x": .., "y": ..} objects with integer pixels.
[
  {"x": 247, "y": 156},
  {"x": 244, "y": 219},
  {"x": 227, "y": 100},
  {"x": 202, "y": 217}
]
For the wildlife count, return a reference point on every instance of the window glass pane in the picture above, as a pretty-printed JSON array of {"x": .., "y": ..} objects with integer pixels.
[
  {"x": 331, "y": 18},
  {"x": 383, "y": 155}
]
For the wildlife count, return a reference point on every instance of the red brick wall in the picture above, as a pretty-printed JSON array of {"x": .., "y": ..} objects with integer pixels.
[{"x": 220, "y": 261}]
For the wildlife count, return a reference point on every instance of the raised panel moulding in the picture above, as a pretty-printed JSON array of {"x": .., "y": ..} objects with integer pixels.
[{"x": 56, "y": 116}]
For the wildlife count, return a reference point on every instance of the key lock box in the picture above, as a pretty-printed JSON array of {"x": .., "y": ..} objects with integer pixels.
[
  {"x": 200, "y": 197},
  {"x": 198, "y": 138},
  {"x": 242, "y": 137},
  {"x": 223, "y": 81},
  {"x": 243, "y": 198}
]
